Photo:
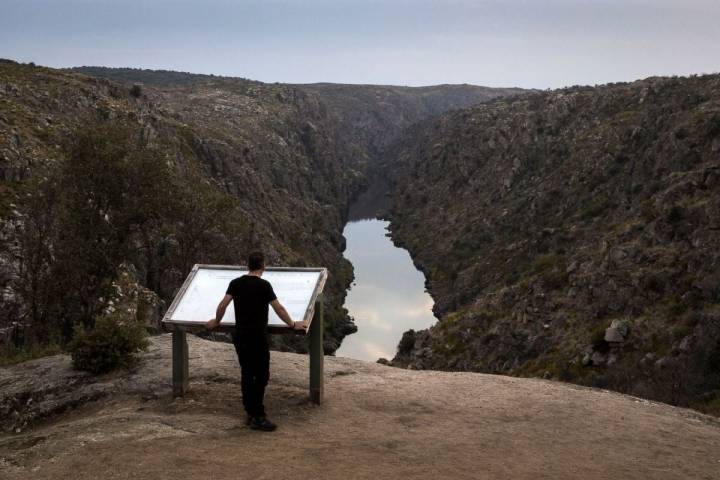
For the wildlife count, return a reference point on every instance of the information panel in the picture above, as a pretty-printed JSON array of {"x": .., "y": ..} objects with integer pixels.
[{"x": 196, "y": 301}]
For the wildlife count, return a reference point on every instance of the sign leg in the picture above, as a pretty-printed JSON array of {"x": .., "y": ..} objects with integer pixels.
[
  {"x": 179, "y": 363},
  {"x": 317, "y": 354}
]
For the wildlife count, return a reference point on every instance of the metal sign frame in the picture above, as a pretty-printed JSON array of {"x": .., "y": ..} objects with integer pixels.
[
  {"x": 315, "y": 310},
  {"x": 199, "y": 325}
]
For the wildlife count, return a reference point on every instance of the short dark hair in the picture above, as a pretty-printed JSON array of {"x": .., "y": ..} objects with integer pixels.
[{"x": 256, "y": 261}]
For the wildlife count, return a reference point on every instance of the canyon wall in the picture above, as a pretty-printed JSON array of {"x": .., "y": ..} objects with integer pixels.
[
  {"x": 571, "y": 234},
  {"x": 289, "y": 158}
]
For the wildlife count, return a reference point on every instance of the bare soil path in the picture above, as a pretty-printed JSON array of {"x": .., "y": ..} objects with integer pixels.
[{"x": 377, "y": 422}]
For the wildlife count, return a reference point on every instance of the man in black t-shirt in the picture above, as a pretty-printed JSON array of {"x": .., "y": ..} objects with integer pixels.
[{"x": 251, "y": 296}]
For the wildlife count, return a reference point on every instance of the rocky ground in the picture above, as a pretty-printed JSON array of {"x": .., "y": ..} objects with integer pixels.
[{"x": 376, "y": 422}]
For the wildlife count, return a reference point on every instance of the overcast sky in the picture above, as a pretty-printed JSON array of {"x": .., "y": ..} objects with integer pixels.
[{"x": 525, "y": 43}]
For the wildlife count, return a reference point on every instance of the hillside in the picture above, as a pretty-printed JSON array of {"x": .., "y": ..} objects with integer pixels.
[
  {"x": 376, "y": 422},
  {"x": 368, "y": 117},
  {"x": 254, "y": 150},
  {"x": 146, "y": 76},
  {"x": 279, "y": 164},
  {"x": 571, "y": 234}
]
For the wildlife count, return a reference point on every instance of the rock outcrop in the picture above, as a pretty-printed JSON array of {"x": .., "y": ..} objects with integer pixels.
[{"x": 375, "y": 422}]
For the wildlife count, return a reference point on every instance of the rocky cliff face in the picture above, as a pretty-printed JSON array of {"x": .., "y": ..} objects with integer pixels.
[
  {"x": 291, "y": 157},
  {"x": 571, "y": 234},
  {"x": 374, "y": 116},
  {"x": 276, "y": 151},
  {"x": 269, "y": 147}
]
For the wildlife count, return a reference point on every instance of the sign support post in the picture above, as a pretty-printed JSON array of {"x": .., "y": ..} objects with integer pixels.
[
  {"x": 317, "y": 354},
  {"x": 180, "y": 368}
]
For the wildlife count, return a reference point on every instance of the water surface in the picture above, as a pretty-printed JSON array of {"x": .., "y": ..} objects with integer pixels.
[{"x": 388, "y": 295}]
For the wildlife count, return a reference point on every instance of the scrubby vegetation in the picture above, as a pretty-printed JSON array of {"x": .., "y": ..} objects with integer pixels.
[
  {"x": 146, "y": 76},
  {"x": 112, "y": 343},
  {"x": 595, "y": 205},
  {"x": 111, "y": 199},
  {"x": 100, "y": 179}
]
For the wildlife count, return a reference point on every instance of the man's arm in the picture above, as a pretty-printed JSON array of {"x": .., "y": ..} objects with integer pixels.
[
  {"x": 219, "y": 313},
  {"x": 285, "y": 316}
]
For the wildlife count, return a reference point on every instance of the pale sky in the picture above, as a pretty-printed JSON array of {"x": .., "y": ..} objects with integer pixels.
[{"x": 534, "y": 44}]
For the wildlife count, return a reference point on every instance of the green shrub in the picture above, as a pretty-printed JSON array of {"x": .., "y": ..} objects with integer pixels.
[
  {"x": 713, "y": 130},
  {"x": 136, "y": 91},
  {"x": 547, "y": 261},
  {"x": 597, "y": 338},
  {"x": 111, "y": 344},
  {"x": 711, "y": 405},
  {"x": 674, "y": 215},
  {"x": 102, "y": 112},
  {"x": 681, "y": 330},
  {"x": 555, "y": 279},
  {"x": 676, "y": 306},
  {"x": 407, "y": 342},
  {"x": 594, "y": 209},
  {"x": 648, "y": 212}
]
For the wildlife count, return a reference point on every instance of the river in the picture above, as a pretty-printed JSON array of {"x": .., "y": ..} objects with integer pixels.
[{"x": 387, "y": 296}]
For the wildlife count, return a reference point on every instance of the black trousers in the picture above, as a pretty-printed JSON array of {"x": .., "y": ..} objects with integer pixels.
[{"x": 254, "y": 357}]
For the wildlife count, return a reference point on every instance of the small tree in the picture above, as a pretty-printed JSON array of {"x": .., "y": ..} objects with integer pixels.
[
  {"x": 32, "y": 270},
  {"x": 112, "y": 187},
  {"x": 136, "y": 91},
  {"x": 113, "y": 199},
  {"x": 207, "y": 223}
]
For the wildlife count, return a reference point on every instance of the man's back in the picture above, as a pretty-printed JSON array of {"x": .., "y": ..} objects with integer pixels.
[{"x": 251, "y": 297}]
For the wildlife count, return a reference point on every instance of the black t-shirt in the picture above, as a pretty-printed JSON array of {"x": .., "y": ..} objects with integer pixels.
[{"x": 251, "y": 296}]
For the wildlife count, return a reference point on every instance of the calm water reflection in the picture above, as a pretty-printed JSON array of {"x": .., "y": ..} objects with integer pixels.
[{"x": 388, "y": 296}]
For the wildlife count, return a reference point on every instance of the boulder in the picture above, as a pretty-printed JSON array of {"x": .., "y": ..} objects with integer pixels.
[
  {"x": 586, "y": 360},
  {"x": 618, "y": 331}
]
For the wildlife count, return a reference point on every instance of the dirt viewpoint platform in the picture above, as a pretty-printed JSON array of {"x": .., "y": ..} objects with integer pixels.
[{"x": 377, "y": 422}]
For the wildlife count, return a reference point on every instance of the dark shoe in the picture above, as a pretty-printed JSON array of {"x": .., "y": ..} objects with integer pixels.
[{"x": 262, "y": 423}]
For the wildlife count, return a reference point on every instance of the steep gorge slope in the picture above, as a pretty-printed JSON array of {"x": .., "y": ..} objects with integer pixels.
[
  {"x": 374, "y": 116},
  {"x": 252, "y": 140},
  {"x": 291, "y": 156},
  {"x": 572, "y": 234}
]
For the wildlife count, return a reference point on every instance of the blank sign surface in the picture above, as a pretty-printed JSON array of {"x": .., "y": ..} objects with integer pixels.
[{"x": 206, "y": 285}]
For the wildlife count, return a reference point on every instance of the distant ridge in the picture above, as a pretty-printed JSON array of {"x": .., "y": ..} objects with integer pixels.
[{"x": 149, "y": 76}]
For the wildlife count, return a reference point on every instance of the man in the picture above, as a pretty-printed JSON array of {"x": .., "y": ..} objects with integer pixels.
[{"x": 251, "y": 296}]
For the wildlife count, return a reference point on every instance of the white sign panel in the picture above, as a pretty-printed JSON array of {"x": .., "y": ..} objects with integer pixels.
[{"x": 197, "y": 300}]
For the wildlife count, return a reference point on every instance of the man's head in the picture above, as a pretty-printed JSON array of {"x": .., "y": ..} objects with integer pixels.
[{"x": 256, "y": 261}]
